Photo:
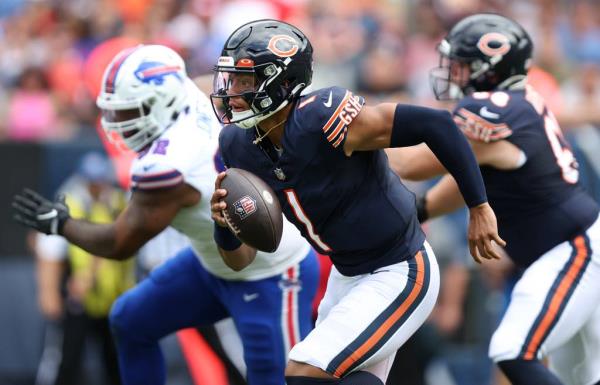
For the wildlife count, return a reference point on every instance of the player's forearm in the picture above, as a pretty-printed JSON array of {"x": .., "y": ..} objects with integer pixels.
[
  {"x": 239, "y": 258},
  {"x": 414, "y": 125},
  {"x": 443, "y": 198},
  {"x": 49, "y": 274},
  {"x": 96, "y": 238},
  {"x": 235, "y": 254}
]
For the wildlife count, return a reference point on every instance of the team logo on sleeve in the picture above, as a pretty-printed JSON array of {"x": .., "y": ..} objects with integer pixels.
[
  {"x": 155, "y": 72},
  {"x": 245, "y": 206},
  {"x": 283, "y": 45},
  {"x": 336, "y": 127}
]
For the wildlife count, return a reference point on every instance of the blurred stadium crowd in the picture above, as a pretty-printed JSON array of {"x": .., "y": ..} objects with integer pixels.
[{"x": 382, "y": 49}]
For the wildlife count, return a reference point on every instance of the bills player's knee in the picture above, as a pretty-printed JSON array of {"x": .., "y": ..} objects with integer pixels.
[
  {"x": 263, "y": 349},
  {"x": 356, "y": 378},
  {"x": 125, "y": 323}
]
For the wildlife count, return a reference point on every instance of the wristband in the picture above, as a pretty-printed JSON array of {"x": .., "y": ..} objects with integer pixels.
[{"x": 225, "y": 238}]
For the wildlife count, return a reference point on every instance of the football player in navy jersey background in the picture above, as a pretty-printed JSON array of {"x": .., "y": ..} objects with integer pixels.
[
  {"x": 549, "y": 221},
  {"x": 321, "y": 152}
]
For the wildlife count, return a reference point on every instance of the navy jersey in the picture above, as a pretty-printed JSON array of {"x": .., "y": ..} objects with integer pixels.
[
  {"x": 354, "y": 209},
  {"x": 540, "y": 204}
]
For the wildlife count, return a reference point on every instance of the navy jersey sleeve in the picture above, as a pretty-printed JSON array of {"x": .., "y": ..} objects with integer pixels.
[
  {"x": 481, "y": 120},
  {"x": 488, "y": 117},
  {"x": 329, "y": 111}
]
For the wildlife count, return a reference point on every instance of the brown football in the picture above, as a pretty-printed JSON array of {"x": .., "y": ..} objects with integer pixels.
[{"x": 253, "y": 212}]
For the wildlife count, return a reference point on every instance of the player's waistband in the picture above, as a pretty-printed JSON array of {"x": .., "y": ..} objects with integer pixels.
[{"x": 396, "y": 250}]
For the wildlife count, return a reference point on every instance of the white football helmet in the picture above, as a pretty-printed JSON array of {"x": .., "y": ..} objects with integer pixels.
[{"x": 143, "y": 92}]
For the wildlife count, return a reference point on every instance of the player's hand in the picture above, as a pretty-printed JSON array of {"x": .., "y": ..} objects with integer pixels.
[
  {"x": 217, "y": 205},
  {"x": 483, "y": 232},
  {"x": 37, "y": 212}
]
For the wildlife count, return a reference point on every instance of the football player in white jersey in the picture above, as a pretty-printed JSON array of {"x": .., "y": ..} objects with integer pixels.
[{"x": 148, "y": 100}]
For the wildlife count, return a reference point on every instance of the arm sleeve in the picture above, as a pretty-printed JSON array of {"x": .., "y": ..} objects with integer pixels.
[
  {"x": 414, "y": 125},
  {"x": 148, "y": 176},
  {"x": 51, "y": 247},
  {"x": 328, "y": 112}
]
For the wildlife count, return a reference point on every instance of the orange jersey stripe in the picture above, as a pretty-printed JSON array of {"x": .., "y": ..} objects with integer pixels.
[
  {"x": 336, "y": 131},
  {"x": 337, "y": 112},
  {"x": 558, "y": 298},
  {"x": 337, "y": 142},
  {"x": 388, "y": 323},
  {"x": 478, "y": 128},
  {"x": 307, "y": 101}
]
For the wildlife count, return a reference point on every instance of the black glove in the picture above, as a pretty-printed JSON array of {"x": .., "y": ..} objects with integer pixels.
[
  {"x": 37, "y": 212},
  {"x": 421, "y": 202}
]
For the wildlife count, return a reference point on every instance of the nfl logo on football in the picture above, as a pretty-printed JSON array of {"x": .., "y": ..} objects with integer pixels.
[{"x": 245, "y": 206}]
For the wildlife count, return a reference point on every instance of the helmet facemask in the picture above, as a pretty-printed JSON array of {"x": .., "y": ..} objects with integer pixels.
[
  {"x": 456, "y": 77},
  {"x": 144, "y": 90},
  {"x": 262, "y": 88},
  {"x": 136, "y": 126},
  {"x": 449, "y": 79}
]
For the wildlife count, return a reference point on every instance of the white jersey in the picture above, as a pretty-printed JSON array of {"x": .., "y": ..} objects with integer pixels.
[{"x": 187, "y": 153}]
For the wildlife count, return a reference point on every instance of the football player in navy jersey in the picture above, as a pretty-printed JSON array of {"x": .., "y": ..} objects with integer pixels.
[
  {"x": 321, "y": 152},
  {"x": 549, "y": 221}
]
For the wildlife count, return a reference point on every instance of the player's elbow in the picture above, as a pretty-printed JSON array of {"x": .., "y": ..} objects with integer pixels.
[{"x": 121, "y": 252}]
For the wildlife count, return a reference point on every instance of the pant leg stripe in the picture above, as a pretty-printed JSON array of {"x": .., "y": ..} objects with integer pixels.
[
  {"x": 561, "y": 291},
  {"x": 388, "y": 322},
  {"x": 292, "y": 300}
]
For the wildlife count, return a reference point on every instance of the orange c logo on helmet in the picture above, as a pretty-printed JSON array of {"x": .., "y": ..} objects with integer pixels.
[
  {"x": 501, "y": 44},
  {"x": 245, "y": 62},
  {"x": 283, "y": 46}
]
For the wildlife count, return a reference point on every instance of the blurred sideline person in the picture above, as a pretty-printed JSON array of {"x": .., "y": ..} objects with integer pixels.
[
  {"x": 321, "y": 154},
  {"x": 532, "y": 179},
  {"x": 75, "y": 288},
  {"x": 149, "y": 102}
]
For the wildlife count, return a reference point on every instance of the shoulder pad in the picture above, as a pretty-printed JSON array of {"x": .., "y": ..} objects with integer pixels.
[
  {"x": 480, "y": 119},
  {"x": 149, "y": 175},
  {"x": 331, "y": 110}
]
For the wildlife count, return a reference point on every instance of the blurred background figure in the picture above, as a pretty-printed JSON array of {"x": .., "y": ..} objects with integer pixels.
[{"x": 76, "y": 289}]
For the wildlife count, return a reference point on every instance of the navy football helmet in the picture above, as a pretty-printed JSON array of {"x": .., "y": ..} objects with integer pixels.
[
  {"x": 482, "y": 52},
  {"x": 267, "y": 63}
]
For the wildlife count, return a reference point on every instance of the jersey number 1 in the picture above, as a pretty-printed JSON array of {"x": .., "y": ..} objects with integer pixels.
[{"x": 292, "y": 199}]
